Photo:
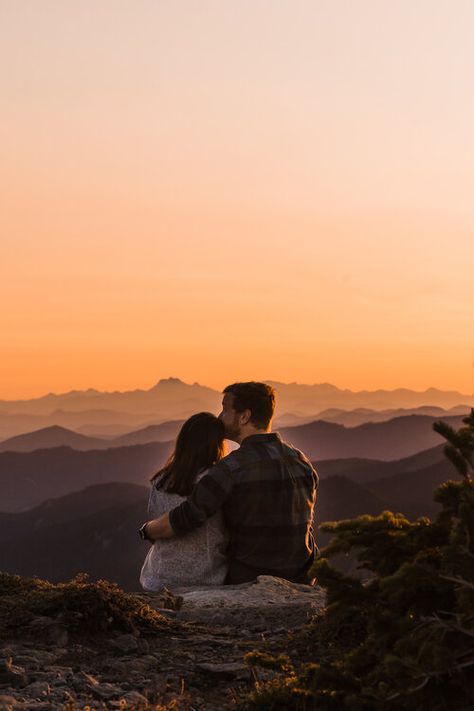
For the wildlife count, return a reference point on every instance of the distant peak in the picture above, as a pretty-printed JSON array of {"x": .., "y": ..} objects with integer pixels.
[
  {"x": 168, "y": 381},
  {"x": 54, "y": 428}
]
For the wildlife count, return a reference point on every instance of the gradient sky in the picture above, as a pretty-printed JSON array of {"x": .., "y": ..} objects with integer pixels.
[{"x": 222, "y": 190}]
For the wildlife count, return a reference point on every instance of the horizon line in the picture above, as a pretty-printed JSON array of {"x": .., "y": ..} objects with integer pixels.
[{"x": 173, "y": 379}]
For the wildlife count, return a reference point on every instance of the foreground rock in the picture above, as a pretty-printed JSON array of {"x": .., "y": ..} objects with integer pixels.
[
  {"x": 196, "y": 662},
  {"x": 268, "y": 602}
]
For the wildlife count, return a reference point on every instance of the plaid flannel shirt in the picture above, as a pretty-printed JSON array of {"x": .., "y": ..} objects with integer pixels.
[{"x": 267, "y": 491}]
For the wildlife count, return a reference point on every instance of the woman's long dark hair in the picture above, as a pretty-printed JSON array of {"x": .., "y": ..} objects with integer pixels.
[{"x": 199, "y": 445}]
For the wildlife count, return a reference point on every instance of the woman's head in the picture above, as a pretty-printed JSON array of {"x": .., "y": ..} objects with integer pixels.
[{"x": 199, "y": 445}]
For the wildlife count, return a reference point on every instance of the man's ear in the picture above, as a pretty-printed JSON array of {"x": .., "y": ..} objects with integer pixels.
[{"x": 245, "y": 417}]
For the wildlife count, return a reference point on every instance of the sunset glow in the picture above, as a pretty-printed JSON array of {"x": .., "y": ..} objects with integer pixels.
[{"x": 224, "y": 191}]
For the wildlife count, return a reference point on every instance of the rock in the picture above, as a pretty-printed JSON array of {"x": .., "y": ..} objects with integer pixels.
[
  {"x": 170, "y": 614},
  {"x": 266, "y": 590},
  {"x": 141, "y": 665},
  {"x": 263, "y": 604},
  {"x": 143, "y": 646},
  {"x": 106, "y": 691},
  {"x": 126, "y": 643},
  {"x": 163, "y": 600},
  {"x": 35, "y": 658},
  {"x": 134, "y": 698},
  {"x": 52, "y": 631},
  {"x": 226, "y": 670},
  {"x": 116, "y": 667},
  {"x": 64, "y": 696},
  {"x": 80, "y": 681},
  {"x": 199, "y": 655},
  {"x": 38, "y": 689},
  {"x": 12, "y": 675}
]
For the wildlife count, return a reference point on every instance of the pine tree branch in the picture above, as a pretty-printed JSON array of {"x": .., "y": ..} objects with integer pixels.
[
  {"x": 449, "y": 627},
  {"x": 460, "y": 581},
  {"x": 410, "y": 691},
  {"x": 427, "y": 678}
]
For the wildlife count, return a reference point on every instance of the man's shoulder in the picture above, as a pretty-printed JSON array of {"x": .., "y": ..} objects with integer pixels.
[
  {"x": 297, "y": 454},
  {"x": 292, "y": 451},
  {"x": 238, "y": 460},
  {"x": 230, "y": 463}
]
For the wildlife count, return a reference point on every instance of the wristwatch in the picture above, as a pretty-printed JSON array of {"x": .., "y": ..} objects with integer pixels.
[{"x": 142, "y": 532}]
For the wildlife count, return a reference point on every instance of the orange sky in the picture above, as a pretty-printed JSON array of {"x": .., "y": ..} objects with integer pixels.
[{"x": 221, "y": 191}]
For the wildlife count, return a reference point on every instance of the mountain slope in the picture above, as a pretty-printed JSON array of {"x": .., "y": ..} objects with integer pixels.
[
  {"x": 163, "y": 432},
  {"x": 29, "y": 478},
  {"x": 50, "y": 437},
  {"x": 104, "y": 544},
  {"x": 363, "y": 471},
  {"x": 82, "y": 533},
  {"x": 93, "y": 423},
  {"x": 395, "y": 439},
  {"x": 362, "y": 415},
  {"x": 95, "y": 529},
  {"x": 71, "y": 507},
  {"x": 413, "y": 487}
]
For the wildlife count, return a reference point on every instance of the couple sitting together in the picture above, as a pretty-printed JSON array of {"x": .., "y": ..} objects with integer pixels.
[{"x": 227, "y": 519}]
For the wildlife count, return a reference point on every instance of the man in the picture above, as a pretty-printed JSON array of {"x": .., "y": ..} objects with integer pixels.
[{"x": 266, "y": 489}]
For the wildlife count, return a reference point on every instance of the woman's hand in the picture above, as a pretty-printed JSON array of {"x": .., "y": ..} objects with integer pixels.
[{"x": 159, "y": 528}]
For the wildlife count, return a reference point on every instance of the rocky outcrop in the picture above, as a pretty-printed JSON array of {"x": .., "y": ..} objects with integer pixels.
[
  {"x": 267, "y": 603},
  {"x": 197, "y": 660}
]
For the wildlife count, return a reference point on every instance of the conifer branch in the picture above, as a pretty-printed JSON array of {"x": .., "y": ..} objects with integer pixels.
[{"x": 459, "y": 581}]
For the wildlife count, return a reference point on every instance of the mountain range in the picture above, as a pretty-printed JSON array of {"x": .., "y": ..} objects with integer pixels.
[
  {"x": 55, "y": 436},
  {"x": 387, "y": 440},
  {"x": 362, "y": 415},
  {"x": 29, "y": 478},
  {"x": 407, "y": 484},
  {"x": 172, "y": 399},
  {"x": 73, "y": 492},
  {"x": 66, "y": 511},
  {"x": 94, "y": 530},
  {"x": 394, "y": 439}
]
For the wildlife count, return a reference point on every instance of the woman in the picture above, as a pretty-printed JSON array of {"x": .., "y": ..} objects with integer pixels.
[{"x": 198, "y": 558}]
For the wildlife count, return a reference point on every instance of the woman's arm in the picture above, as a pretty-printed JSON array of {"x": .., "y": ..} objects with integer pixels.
[
  {"x": 208, "y": 495},
  {"x": 158, "y": 528}
]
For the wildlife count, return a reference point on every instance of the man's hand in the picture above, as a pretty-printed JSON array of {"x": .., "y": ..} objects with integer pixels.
[{"x": 159, "y": 528}]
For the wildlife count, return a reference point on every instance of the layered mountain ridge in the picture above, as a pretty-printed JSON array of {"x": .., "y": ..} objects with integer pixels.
[{"x": 291, "y": 397}]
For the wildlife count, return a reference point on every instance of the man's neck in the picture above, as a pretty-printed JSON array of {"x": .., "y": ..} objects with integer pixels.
[{"x": 249, "y": 431}]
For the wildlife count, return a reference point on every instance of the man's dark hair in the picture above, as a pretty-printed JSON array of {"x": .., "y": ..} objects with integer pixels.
[{"x": 259, "y": 398}]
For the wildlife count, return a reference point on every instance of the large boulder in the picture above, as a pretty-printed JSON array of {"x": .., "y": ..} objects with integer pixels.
[{"x": 267, "y": 603}]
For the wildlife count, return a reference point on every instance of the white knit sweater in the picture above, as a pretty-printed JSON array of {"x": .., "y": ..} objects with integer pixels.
[{"x": 197, "y": 558}]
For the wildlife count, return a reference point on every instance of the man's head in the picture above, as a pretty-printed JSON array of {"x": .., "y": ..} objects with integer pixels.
[{"x": 247, "y": 408}]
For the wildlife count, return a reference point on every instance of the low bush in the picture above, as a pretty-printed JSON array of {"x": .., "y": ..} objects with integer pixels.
[{"x": 82, "y": 607}]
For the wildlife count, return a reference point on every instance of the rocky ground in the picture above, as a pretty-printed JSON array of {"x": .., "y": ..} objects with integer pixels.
[{"x": 194, "y": 662}]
